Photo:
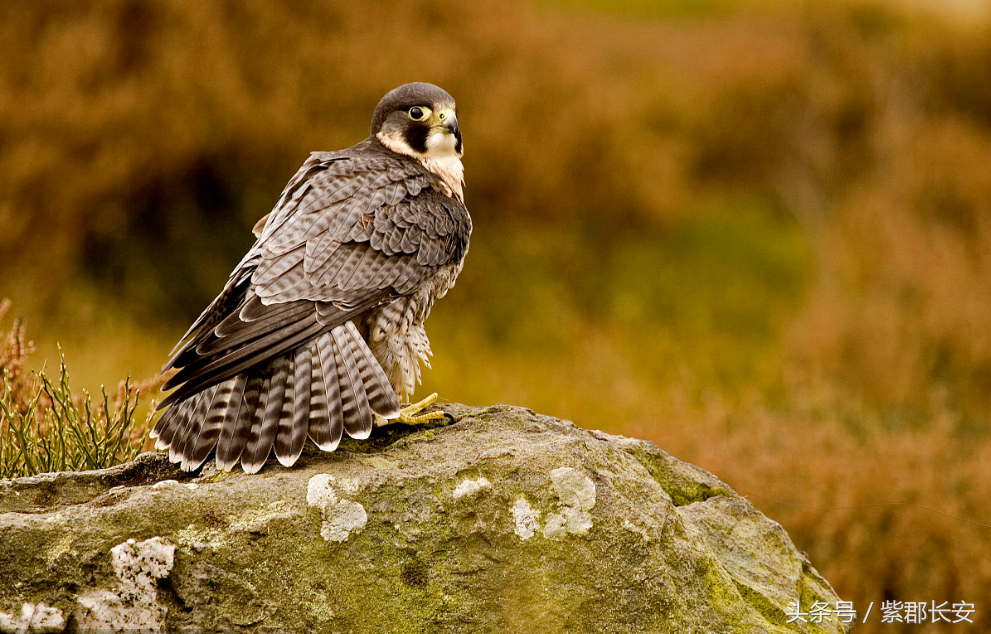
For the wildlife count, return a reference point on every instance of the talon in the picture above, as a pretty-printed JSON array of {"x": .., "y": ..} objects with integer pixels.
[{"x": 408, "y": 415}]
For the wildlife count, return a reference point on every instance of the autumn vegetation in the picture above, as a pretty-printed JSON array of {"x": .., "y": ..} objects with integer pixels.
[{"x": 756, "y": 233}]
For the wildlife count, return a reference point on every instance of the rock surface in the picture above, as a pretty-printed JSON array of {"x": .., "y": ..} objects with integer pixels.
[{"x": 504, "y": 521}]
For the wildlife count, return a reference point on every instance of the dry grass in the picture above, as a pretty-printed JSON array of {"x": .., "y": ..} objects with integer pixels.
[
  {"x": 884, "y": 514},
  {"x": 756, "y": 233},
  {"x": 45, "y": 427}
]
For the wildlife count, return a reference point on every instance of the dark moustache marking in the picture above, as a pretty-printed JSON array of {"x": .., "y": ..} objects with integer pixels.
[{"x": 416, "y": 136}]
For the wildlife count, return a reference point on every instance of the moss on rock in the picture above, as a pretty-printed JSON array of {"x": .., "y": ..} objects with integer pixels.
[{"x": 501, "y": 521}]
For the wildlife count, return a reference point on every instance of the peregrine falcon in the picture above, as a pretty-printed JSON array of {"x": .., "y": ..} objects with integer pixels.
[{"x": 319, "y": 329}]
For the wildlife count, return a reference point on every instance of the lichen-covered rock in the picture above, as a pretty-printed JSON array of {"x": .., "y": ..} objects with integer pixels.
[{"x": 505, "y": 521}]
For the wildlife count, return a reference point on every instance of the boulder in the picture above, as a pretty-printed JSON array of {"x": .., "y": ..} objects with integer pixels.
[{"x": 498, "y": 520}]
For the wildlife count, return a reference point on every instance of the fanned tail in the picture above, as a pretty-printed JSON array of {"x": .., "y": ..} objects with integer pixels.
[{"x": 330, "y": 385}]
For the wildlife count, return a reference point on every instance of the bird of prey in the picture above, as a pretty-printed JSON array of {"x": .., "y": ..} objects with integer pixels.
[{"x": 319, "y": 329}]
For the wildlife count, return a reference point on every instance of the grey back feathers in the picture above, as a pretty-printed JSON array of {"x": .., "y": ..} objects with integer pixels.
[{"x": 282, "y": 354}]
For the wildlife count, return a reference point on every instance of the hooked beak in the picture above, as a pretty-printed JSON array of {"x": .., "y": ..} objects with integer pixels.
[{"x": 449, "y": 121}]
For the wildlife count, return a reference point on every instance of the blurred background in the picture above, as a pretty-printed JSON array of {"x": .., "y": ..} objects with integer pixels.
[{"x": 755, "y": 232}]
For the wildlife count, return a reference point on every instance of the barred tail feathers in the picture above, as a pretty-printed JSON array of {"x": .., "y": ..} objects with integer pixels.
[
  {"x": 291, "y": 434},
  {"x": 326, "y": 387}
]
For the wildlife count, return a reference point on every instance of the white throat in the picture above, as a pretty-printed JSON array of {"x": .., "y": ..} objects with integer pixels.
[{"x": 440, "y": 159}]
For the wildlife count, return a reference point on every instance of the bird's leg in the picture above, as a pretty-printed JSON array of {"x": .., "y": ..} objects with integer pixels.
[{"x": 410, "y": 415}]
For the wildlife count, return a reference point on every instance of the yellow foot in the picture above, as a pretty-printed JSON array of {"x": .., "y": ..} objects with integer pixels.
[{"x": 409, "y": 414}]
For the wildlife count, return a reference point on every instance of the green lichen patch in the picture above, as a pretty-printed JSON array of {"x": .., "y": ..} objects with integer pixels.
[
  {"x": 438, "y": 547},
  {"x": 684, "y": 483},
  {"x": 770, "y": 612},
  {"x": 693, "y": 492}
]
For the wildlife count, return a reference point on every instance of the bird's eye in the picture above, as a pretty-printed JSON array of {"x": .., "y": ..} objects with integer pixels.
[{"x": 419, "y": 113}]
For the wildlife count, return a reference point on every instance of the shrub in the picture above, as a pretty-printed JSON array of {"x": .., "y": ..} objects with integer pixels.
[{"x": 45, "y": 427}]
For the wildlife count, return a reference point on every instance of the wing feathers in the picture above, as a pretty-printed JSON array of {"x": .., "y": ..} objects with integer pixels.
[
  {"x": 271, "y": 268},
  {"x": 277, "y": 358},
  {"x": 196, "y": 377},
  {"x": 234, "y": 332}
]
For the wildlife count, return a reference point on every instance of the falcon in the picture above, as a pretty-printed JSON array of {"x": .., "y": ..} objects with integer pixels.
[{"x": 319, "y": 330}]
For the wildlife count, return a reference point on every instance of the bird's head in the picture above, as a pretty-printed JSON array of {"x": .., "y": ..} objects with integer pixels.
[{"x": 418, "y": 120}]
